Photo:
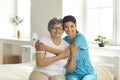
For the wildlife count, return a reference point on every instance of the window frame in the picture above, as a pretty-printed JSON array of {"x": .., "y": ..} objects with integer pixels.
[{"x": 116, "y": 22}]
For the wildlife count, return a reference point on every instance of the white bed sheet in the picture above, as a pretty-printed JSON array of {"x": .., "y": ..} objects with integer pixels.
[
  {"x": 16, "y": 71},
  {"x": 22, "y": 71}
]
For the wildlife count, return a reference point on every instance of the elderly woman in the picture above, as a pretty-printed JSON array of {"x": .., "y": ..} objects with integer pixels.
[{"x": 50, "y": 66}]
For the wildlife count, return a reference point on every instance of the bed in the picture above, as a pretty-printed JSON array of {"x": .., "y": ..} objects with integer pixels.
[
  {"x": 23, "y": 70},
  {"x": 16, "y": 71},
  {"x": 110, "y": 67}
]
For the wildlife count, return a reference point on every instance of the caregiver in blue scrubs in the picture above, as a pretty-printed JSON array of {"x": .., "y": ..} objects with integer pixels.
[{"x": 79, "y": 66}]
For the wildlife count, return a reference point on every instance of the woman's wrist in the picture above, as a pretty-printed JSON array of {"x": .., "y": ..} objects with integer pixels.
[{"x": 47, "y": 48}]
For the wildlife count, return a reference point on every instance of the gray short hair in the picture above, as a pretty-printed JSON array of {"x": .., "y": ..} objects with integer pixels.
[{"x": 53, "y": 22}]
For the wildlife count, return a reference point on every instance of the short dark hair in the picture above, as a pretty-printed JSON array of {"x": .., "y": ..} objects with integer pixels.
[
  {"x": 68, "y": 18},
  {"x": 54, "y": 21}
]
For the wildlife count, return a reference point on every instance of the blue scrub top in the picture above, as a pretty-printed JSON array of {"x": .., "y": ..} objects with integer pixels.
[{"x": 83, "y": 64}]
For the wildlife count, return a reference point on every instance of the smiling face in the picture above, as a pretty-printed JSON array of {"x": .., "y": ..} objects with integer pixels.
[
  {"x": 56, "y": 31},
  {"x": 55, "y": 28},
  {"x": 69, "y": 25},
  {"x": 70, "y": 28}
]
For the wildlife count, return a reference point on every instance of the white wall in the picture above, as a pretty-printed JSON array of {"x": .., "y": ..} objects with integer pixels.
[
  {"x": 104, "y": 51},
  {"x": 41, "y": 12}
]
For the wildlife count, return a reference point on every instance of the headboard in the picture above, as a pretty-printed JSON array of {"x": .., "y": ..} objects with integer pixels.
[{"x": 110, "y": 62}]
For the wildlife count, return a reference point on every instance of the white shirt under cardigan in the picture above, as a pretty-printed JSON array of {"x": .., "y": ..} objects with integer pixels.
[{"x": 58, "y": 66}]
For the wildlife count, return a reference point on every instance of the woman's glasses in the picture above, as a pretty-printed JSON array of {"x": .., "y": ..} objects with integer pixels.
[{"x": 57, "y": 28}]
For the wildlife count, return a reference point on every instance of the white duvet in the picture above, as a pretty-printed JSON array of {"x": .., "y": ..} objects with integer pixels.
[
  {"x": 22, "y": 72},
  {"x": 103, "y": 73}
]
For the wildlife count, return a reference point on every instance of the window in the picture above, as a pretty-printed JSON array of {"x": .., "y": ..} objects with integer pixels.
[
  {"x": 96, "y": 17},
  {"x": 103, "y": 18},
  {"x": 23, "y": 11},
  {"x": 14, "y": 7},
  {"x": 7, "y": 8}
]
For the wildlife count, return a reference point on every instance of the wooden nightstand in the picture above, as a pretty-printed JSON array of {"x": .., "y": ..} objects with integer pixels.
[{"x": 11, "y": 59}]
